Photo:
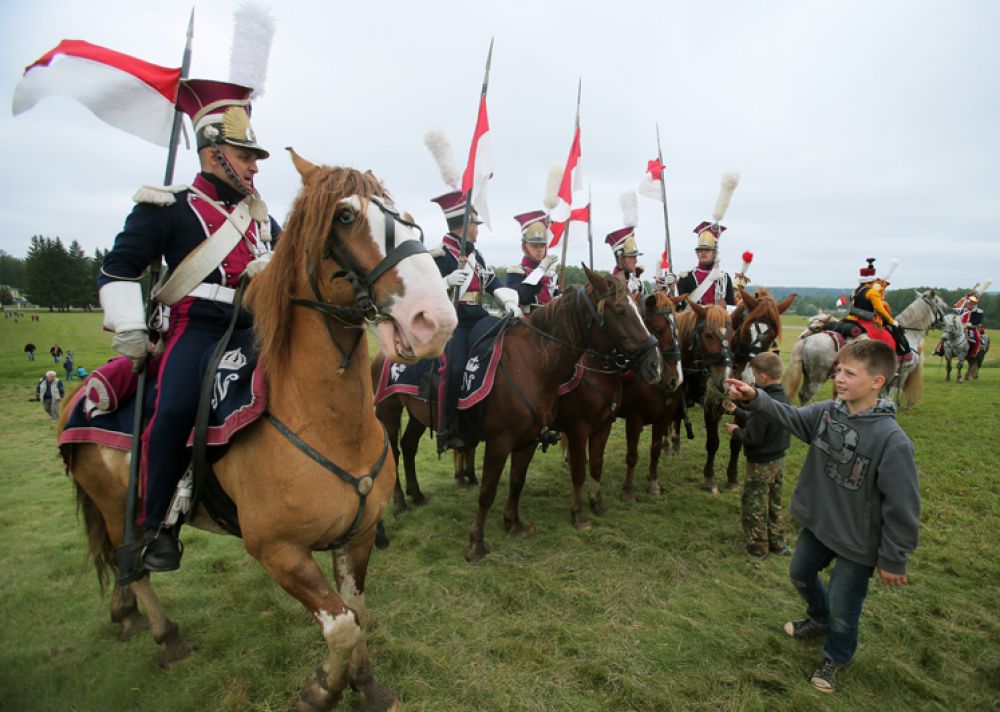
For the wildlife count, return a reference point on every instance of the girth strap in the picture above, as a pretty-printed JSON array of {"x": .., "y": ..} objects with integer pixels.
[{"x": 362, "y": 485}]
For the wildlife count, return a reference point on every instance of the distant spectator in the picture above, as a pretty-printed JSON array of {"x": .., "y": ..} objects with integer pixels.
[
  {"x": 56, "y": 353},
  {"x": 51, "y": 391},
  {"x": 68, "y": 365},
  {"x": 30, "y": 349},
  {"x": 81, "y": 372}
]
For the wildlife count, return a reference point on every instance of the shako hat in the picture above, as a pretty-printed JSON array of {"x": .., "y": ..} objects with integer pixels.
[
  {"x": 220, "y": 112},
  {"x": 534, "y": 231},
  {"x": 867, "y": 274},
  {"x": 708, "y": 234},
  {"x": 622, "y": 242},
  {"x": 453, "y": 206}
]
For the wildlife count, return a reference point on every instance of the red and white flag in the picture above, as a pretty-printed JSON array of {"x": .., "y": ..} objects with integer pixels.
[
  {"x": 651, "y": 184},
  {"x": 842, "y": 300},
  {"x": 575, "y": 215},
  {"x": 572, "y": 181},
  {"x": 125, "y": 92},
  {"x": 480, "y": 167}
]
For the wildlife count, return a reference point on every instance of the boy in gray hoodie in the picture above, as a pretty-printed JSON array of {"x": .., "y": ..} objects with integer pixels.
[{"x": 857, "y": 498}]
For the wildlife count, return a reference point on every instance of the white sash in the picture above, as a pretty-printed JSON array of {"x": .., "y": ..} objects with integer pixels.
[
  {"x": 207, "y": 256},
  {"x": 711, "y": 279}
]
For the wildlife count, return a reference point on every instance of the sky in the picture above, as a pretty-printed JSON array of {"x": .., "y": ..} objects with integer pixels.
[{"x": 860, "y": 129}]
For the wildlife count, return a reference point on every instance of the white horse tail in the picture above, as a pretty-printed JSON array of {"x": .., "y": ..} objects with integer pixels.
[
  {"x": 794, "y": 373},
  {"x": 913, "y": 385}
]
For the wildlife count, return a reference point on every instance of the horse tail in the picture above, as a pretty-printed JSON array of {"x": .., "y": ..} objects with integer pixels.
[
  {"x": 98, "y": 542},
  {"x": 913, "y": 386},
  {"x": 794, "y": 373}
]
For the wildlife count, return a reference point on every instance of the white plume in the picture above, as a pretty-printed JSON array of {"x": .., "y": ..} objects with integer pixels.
[
  {"x": 253, "y": 31},
  {"x": 985, "y": 285},
  {"x": 893, "y": 264},
  {"x": 437, "y": 144},
  {"x": 729, "y": 182},
  {"x": 551, "y": 197},
  {"x": 630, "y": 208}
]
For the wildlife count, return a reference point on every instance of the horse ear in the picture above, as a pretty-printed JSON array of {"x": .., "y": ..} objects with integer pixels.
[
  {"x": 698, "y": 309},
  {"x": 596, "y": 281},
  {"x": 747, "y": 299},
  {"x": 306, "y": 169},
  {"x": 650, "y": 303},
  {"x": 786, "y": 302}
]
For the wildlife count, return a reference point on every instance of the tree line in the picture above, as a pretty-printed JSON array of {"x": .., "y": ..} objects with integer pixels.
[{"x": 52, "y": 275}]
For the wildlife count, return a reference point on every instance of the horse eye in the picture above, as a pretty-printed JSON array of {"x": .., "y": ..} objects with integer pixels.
[{"x": 345, "y": 217}]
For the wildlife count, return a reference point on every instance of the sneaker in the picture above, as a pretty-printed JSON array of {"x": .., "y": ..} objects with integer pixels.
[
  {"x": 805, "y": 629},
  {"x": 822, "y": 679}
]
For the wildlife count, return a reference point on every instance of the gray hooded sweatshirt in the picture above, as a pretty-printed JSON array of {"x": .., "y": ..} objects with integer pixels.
[{"x": 857, "y": 491}]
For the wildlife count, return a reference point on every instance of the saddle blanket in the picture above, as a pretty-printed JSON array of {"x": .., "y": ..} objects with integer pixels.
[
  {"x": 477, "y": 377},
  {"x": 103, "y": 409}
]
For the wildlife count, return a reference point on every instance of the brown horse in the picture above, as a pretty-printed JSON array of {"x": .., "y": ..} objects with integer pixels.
[
  {"x": 706, "y": 353},
  {"x": 537, "y": 355},
  {"x": 587, "y": 412},
  {"x": 756, "y": 329},
  {"x": 333, "y": 271}
]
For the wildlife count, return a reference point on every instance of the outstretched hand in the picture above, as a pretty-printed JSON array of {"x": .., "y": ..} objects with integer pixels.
[
  {"x": 891, "y": 579},
  {"x": 740, "y": 391}
]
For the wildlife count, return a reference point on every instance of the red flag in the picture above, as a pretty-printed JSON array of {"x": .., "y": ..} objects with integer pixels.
[
  {"x": 651, "y": 184},
  {"x": 480, "y": 167},
  {"x": 571, "y": 181},
  {"x": 842, "y": 301},
  {"x": 127, "y": 93},
  {"x": 576, "y": 215}
]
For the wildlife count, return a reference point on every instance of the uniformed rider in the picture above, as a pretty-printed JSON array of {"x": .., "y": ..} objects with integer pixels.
[
  {"x": 972, "y": 317},
  {"x": 869, "y": 312},
  {"x": 534, "y": 278},
  {"x": 626, "y": 252},
  {"x": 469, "y": 277},
  {"x": 210, "y": 234},
  {"x": 719, "y": 289}
]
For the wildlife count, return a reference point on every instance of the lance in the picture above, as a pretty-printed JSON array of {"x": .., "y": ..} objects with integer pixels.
[
  {"x": 468, "y": 196},
  {"x": 666, "y": 218},
  {"x": 130, "y": 567},
  {"x": 590, "y": 226},
  {"x": 576, "y": 127}
]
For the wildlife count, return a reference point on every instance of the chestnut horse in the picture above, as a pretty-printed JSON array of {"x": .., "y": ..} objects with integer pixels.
[
  {"x": 334, "y": 271},
  {"x": 537, "y": 355},
  {"x": 641, "y": 404},
  {"x": 706, "y": 353}
]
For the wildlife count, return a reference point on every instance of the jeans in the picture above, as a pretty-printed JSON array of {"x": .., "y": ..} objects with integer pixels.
[{"x": 837, "y": 607}]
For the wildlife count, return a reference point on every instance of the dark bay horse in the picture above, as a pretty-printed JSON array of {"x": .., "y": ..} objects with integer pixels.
[
  {"x": 536, "y": 356},
  {"x": 706, "y": 353},
  {"x": 334, "y": 271},
  {"x": 642, "y": 404}
]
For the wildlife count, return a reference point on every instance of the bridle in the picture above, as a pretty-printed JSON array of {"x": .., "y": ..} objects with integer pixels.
[
  {"x": 744, "y": 351},
  {"x": 704, "y": 360},
  {"x": 366, "y": 311}
]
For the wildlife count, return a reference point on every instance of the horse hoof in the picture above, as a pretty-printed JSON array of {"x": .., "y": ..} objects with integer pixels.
[
  {"x": 732, "y": 486},
  {"x": 653, "y": 488},
  {"x": 628, "y": 496},
  {"x": 597, "y": 506},
  {"x": 419, "y": 500},
  {"x": 476, "y": 553},
  {"x": 377, "y": 697},
  {"x": 581, "y": 522},
  {"x": 519, "y": 529},
  {"x": 711, "y": 488},
  {"x": 461, "y": 483},
  {"x": 173, "y": 652},
  {"x": 399, "y": 508}
]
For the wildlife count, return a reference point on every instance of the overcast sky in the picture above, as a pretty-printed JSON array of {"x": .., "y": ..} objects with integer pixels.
[{"x": 861, "y": 129}]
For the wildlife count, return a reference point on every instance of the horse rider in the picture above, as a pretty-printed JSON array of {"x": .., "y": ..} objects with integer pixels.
[
  {"x": 468, "y": 277},
  {"x": 210, "y": 234},
  {"x": 534, "y": 278},
  {"x": 870, "y": 313},
  {"x": 626, "y": 252},
  {"x": 719, "y": 289},
  {"x": 972, "y": 317}
]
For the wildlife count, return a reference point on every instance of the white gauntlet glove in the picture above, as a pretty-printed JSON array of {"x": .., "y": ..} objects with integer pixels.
[
  {"x": 134, "y": 344},
  {"x": 547, "y": 262},
  {"x": 458, "y": 277},
  {"x": 508, "y": 298},
  {"x": 256, "y": 266},
  {"x": 665, "y": 280}
]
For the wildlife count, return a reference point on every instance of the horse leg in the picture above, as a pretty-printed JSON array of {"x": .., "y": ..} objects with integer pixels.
[
  {"x": 576, "y": 439},
  {"x": 493, "y": 462},
  {"x": 165, "y": 632},
  {"x": 465, "y": 467},
  {"x": 519, "y": 461},
  {"x": 390, "y": 414},
  {"x": 597, "y": 442},
  {"x": 295, "y": 570},
  {"x": 633, "y": 429},
  {"x": 947, "y": 369},
  {"x": 733, "y": 468},
  {"x": 409, "y": 445},
  {"x": 675, "y": 437},
  {"x": 711, "y": 447},
  {"x": 125, "y": 610},
  {"x": 655, "y": 448}
]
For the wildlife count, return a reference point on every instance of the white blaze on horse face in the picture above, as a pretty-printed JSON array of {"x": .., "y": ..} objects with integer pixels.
[{"x": 422, "y": 316}]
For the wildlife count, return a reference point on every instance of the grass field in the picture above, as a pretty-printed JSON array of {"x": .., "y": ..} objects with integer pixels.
[{"x": 656, "y": 608}]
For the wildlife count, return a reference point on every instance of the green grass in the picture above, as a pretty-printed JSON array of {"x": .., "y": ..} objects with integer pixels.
[{"x": 656, "y": 608}]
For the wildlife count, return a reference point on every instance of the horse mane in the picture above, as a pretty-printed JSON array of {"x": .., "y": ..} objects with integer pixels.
[
  {"x": 302, "y": 241},
  {"x": 715, "y": 316},
  {"x": 557, "y": 314}
]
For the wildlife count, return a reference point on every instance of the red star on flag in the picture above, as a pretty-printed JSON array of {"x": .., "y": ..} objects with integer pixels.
[{"x": 655, "y": 169}]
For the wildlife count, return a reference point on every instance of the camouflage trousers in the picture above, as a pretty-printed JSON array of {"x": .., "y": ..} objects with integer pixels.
[{"x": 762, "y": 520}]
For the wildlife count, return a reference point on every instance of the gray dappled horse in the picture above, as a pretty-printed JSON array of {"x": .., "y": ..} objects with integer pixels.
[{"x": 955, "y": 345}]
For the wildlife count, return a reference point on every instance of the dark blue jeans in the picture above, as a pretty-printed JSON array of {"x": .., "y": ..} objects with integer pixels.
[{"x": 837, "y": 607}]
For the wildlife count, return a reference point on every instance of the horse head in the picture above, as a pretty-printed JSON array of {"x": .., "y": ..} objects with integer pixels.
[
  {"x": 659, "y": 315},
  {"x": 350, "y": 254},
  {"x": 757, "y": 326},
  {"x": 706, "y": 338},
  {"x": 616, "y": 325}
]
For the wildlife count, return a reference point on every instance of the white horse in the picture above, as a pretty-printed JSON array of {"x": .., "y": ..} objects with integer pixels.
[
  {"x": 814, "y": 354},
  {"x": 956, "y": 345}
]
